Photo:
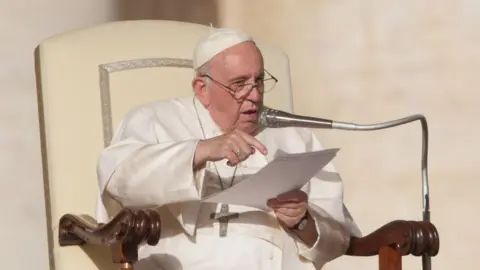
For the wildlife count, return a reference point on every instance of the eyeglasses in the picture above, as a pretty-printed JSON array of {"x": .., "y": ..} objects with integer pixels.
[{"x": 240, "y": 90}]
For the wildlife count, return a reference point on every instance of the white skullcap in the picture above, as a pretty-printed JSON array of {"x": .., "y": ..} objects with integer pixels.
[{"x": 218, "y": 40}]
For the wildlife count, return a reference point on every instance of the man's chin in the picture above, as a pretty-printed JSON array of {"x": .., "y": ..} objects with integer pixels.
[{"x": 249, "y": 127}]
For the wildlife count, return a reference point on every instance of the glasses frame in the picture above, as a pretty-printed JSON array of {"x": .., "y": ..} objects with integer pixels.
[{"x": 233, "y": 92}]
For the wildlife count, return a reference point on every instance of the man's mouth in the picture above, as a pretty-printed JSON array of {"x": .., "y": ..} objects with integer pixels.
[
  {"x": 250, "y": 114},
  {"x": 250, "y": 111}
]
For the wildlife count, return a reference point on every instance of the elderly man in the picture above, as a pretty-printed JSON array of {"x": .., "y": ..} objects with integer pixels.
[{"x": 170, "y": 154}]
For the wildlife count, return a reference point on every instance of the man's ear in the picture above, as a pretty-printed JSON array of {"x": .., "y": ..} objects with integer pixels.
[{"x": 199, "y": 86}]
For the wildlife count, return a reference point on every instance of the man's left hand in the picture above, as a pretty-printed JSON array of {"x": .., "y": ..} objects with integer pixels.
[{"x": 290, "y": 207}]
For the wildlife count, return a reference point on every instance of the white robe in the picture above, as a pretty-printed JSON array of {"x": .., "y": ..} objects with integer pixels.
[{"x": 149, "y": 165}]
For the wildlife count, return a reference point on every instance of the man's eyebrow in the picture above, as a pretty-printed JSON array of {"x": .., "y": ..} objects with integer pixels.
[
  {"x": 239, "y": 78},
  {"x": 246, "y": 77}
]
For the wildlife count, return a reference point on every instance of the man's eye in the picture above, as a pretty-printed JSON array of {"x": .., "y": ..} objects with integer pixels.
[{"x": 238, "y": 84}]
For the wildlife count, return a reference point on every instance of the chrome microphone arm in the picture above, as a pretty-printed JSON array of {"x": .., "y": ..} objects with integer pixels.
[{"x": 276, "y": 119}]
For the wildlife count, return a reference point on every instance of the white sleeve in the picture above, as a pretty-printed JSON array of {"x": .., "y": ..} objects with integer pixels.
[{"x": 139, "y": 170}]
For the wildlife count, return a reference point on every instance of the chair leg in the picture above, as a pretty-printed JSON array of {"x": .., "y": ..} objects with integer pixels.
[
  {"x": 124, "y": 254},
  {"x": 389, "y": 259},
  {"x": 126, "y": 266}
]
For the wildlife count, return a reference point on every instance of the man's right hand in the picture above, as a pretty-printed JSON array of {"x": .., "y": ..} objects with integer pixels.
[{"x": 235, "y": 146}]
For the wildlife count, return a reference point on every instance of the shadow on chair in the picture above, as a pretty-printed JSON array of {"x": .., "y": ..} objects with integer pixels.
[{"x": 98, "y": 254}]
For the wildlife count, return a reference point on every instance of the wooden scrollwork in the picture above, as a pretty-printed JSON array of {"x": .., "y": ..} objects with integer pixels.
[
  {"x": 124, "y": 233},
  {"x": 131, "y": 228},
  {"x": 408, "y": 237}
]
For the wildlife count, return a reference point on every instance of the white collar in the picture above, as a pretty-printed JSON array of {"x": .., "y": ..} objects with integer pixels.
[{"x": 210, "y": 127}]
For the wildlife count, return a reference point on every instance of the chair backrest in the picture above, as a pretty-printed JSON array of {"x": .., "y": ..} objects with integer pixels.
[{"x": 87, "y": 81}]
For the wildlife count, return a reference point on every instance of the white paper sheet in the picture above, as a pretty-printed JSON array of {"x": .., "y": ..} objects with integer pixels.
[{"x": 285, "y": 173}]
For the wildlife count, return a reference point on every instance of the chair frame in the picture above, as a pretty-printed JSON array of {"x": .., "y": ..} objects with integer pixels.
[{"x": 131, "y": 228}]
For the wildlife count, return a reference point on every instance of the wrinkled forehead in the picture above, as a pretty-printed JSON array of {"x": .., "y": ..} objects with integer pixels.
[{"x": 244, "y": 58}]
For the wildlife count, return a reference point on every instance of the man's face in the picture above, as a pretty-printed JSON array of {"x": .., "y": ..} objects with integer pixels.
[{"x": 237, "y": 66}]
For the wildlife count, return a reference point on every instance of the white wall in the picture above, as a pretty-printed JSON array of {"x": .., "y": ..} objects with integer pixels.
[{"x": 23, "y": 24}]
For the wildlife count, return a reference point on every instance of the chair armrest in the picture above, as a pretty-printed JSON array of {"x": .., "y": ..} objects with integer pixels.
[
  {"x": 124, "y": 233},
  {"x": 131, "y": 228},
  {"x": 407, "y": 237}
]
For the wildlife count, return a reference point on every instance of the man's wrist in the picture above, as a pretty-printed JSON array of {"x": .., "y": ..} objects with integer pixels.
[
  {"x": 302, "y": 224},
  {"x": 200, "y": 158},
  {"x": 306, "y": 230}
]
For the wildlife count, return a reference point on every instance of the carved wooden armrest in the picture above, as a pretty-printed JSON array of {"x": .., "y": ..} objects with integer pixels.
[
  {"x": 396, "y": 239},
  {"x": 124, "y": 233},
  {"x": 131, "y": 228}
]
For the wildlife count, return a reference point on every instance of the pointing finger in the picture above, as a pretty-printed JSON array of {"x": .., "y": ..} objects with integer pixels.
[{"x": 255, "y": 143}]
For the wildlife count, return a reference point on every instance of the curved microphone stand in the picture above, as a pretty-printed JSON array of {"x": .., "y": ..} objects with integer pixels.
[{"x": 275, "y": 119}]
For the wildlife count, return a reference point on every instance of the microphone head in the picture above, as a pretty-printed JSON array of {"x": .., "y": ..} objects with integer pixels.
[
  {"x": 268, "y": 117},
  {"x": 262, "y": 120},
  {"x": 272, "y": 118}
]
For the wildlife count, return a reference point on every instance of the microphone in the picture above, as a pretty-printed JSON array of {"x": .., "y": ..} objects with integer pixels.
[{"x": 272, "y": 118}]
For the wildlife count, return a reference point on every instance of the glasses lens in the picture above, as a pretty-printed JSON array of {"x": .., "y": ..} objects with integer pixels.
[
  {"x": 268, "y": 85},
  {"x": 243, "y": 91},
  {"x": 264, "y": 87}
]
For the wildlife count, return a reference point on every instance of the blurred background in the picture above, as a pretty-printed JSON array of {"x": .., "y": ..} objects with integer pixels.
[{"x": 362, "y": 61}]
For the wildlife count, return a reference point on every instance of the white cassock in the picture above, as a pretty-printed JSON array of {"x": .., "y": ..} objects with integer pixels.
[{"x": 149, "y": 164}]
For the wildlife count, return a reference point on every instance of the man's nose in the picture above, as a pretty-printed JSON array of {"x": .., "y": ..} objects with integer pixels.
[{"x": 255, "y": 93}]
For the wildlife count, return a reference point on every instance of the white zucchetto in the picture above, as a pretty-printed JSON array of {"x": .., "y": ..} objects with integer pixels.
[{"x": 216, "y": 41}]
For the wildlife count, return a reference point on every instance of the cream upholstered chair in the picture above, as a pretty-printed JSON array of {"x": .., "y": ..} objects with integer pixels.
[{"x": 88, "y": 79}]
